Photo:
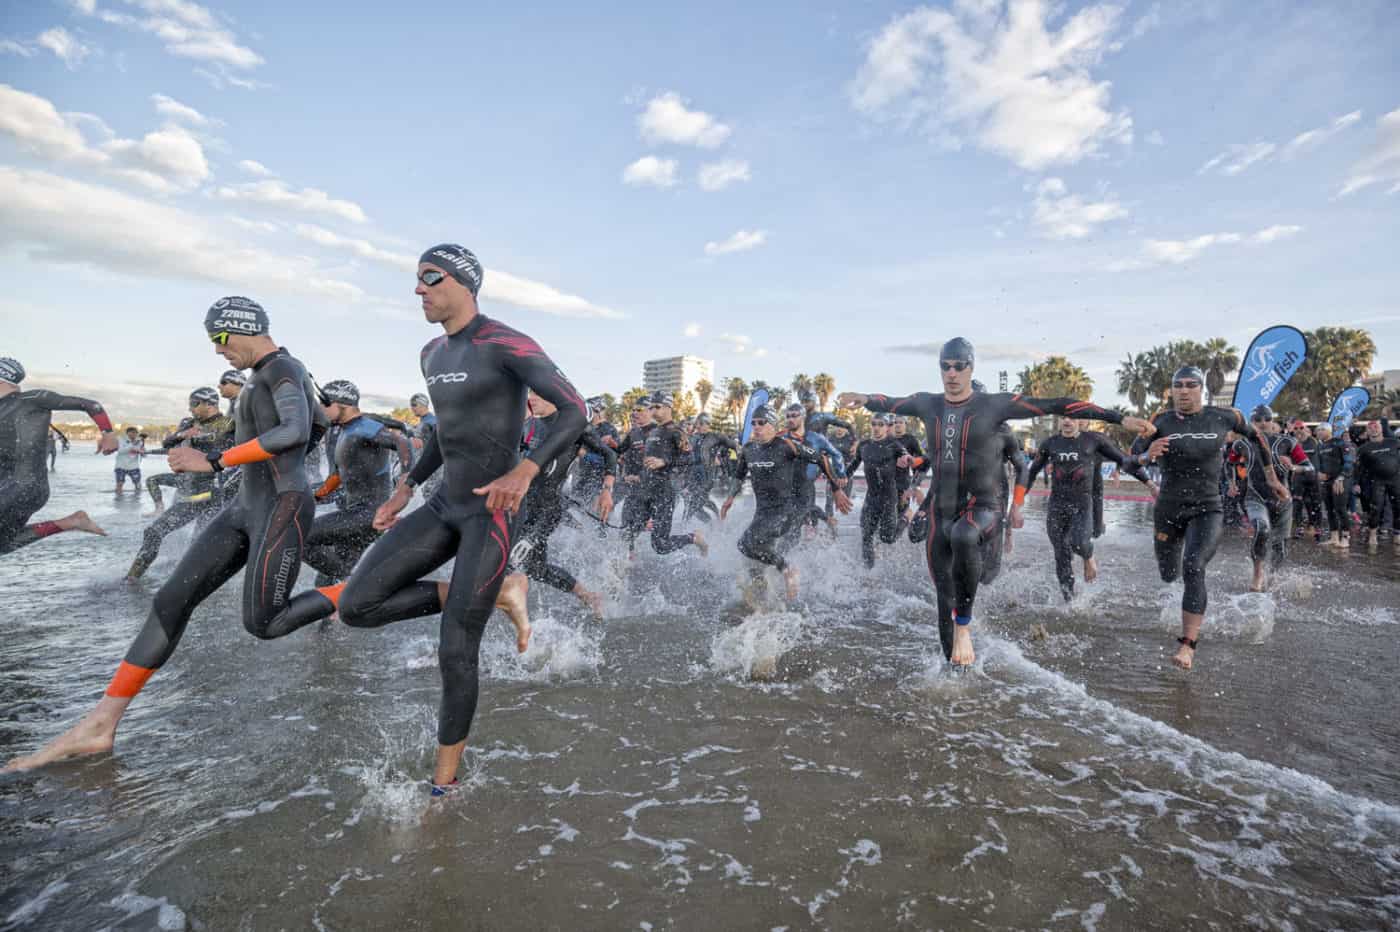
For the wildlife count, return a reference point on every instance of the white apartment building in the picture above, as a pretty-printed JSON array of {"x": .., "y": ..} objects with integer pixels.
[{"x": 677, "y": 374}]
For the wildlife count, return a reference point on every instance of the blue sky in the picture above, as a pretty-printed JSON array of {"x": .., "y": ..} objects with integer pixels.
[{"x": 798, "y": 188}]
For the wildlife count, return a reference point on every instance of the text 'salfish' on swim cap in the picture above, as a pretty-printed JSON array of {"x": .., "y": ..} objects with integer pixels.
[
  {"x": 205, "y": 396},
  {"x": 956, "y": 349},
  {"x": 10, "y": 370},
  {"x": 233, "y": 377},
  {"x": 1189, "y": 372},
  {"x": 341, "y": 392},
  {"x": 457, "y": 261},
  {"x": 236, "y": 315},
  {"x": 419, "y": 399}
]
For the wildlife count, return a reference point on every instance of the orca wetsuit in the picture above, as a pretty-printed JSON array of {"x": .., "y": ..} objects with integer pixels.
[
  {"x": 880, "y": 509},
  {"x": 772, "y": 467},
  {"x": 1272, "y": 519},
  {"x": 655, "y": 499}
]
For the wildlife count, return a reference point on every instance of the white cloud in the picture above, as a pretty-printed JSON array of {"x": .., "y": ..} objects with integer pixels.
[
  {"x": 716, "y": 176},
  {"x": 88, "y": 7},
  {"x": 668, "y": 119},
  {"x": 649, "y": 170},
  {"x": 999, "y": 73},
  {"x": 1179, "y": 252},
  {"x": 736, "y": 342},
  {"x": 742, "y": 241},
  {"x": 186, "y": 29},
  {"x": 275, "y": 193},
  {"x": 691, "y": 330},
  {"x": 1155, "y": 138},
  {"x": 173, "y": 109},
  {"x": 1240, "y": 156},
  {"x": 255, "y": 226},
  {"x": 497, "y": 285},
  {"x": 255, "y": 168},
  {"x": 63, "y": 44},
  {"x": 11, "y": 47},
  {"x": 71, "y": 222},
  {"x": 1061, "y": 215},
  {"x": 1381, "y": 163},
  {"x": 165, "y": 160}
]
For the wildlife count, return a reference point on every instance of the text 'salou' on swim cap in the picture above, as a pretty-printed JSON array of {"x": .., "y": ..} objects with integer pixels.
[
  {"x": 236, "y": 316},
  {"x": 458, "y": 262}
]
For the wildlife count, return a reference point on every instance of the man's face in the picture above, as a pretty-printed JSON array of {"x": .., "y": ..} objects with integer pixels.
[
  {"x": 764, "y": 431},
  {"x": 660, "y": 413},
  {"x": 418, "y": 410},
  {"x": 240, "y": 352},
  {"x": 900, "y": 428},
  {"x": 794, "y": 420},
  {"x": 1069, "y": 427},
  {"x": 1373, "y": 430},
  {"x": 957, "y": 376},
  {"x": 879, "y": 430},
  {"x": 1186, "y": 394},
  {"x": 641, "y": 416},
  {"x": 131, "y": 435},
  {"x": 229, "y": 389},
  {"x": 444, "y": 299},
  {"x": 1265, "y": 427},
  {"x": 204, "y": 411},
  {"x": 1324, "y": 433},
  {"x": 702, "y": 427}
]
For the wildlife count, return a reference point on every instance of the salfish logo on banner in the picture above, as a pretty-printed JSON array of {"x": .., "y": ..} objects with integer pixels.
[
  {"x": 1269, "y": 363},
  {"x": 1348, "y": 407}
]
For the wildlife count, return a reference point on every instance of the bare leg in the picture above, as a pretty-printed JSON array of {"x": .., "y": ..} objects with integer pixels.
[
  {"x": 594, "y": 600},
  {"x": 79, "y": 521},
  {"x": 449, "y": 758},
  {"x": 1260, "y": 582},
  {"x": 1091, "y": 569},
  {"x": 94, "y": 734},
  {"x": 1190, "y": 629},
  {"x": 700, "y": 544},
  {"x": 793, "y": 579}
]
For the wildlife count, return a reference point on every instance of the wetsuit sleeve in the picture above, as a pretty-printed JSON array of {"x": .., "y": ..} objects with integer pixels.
[
  {"x": 393, "y": 440},
  {"x": 1012, "y": 453},
  {"x": 527, "y": 362},
  {"x": 590, "y": 440},
  {"x": 1042, "y": 457},
  {"x": 854, "y": 464},
  {"x": 173, "y": 439},
  {"x": 741, "y": 472},
  {"x": 1105, "y": 448},
  {"x": 429, "y": 462},
  {"x": 915, "y": 404},
  {"x": 916, "y": 450},
  {"x": 834, "y": 458},
  {"x": 53, "y": 401},
  {"x": 1018, "y": 407},
  {"x": 61, "y": 435},
  {"x": 291, "y": 432},
  {"x": 330, "y": 485},
  {"x": 812, "y": 455}
]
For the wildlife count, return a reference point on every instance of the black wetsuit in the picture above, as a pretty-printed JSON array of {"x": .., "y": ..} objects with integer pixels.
[
  {"x": 705, "y": 453},
  {"x": 1336, "y": 459},
  {"x": 278, "y": 419},
  {"x": 819, "y": 422},
  {"x": 1097, "y": 491},
  {"x": 1273, "y": 519},
  {"x": 477, "y": 379},
  {"x": 24, "y": 478},
  {"x": 1069, "y": 516},
  {"x": 965, "y": 457},
  {"x": 592, "y": 467},
  {"x": 543, "y": 507},
  {"x": 846, "y": 446},
  {"x": 215, "y": 434},
  {"x": 1187, "y": 518},
  {"x": 995, "y": 544},
  {"x": 772, "y": 467},
  {"x": 630, "y": 450},
  {"x": 805, "y": 510},
  {"x": 1307, "y": 493},
  {"x": 655, "y": 499},
  {"x": 880, "y": 509},
  {"x": 1378, "y": 474},
  {"x": 361, "y": 472}
]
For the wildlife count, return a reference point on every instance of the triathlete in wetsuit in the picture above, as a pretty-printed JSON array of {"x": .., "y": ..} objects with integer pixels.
[
  {"x": 705, "y": 449},
  {"x": 1071, "y": 457},
  {"x": 631, "y": 448},
  {"x": 24, "y": 481},
  {"x": 880, "y": 510},
  {"x": 664, "y": 448},
  {"x": 1378, "y": 473},
  {"x": 592, "y": 467},
  {"x": 805, "y": 510},
  {"x": 360, "y": 476},
  {"x": 1188, "y": 514},
  {"x": 965, "y": 457},
  {"x": 477, "y": 373},
  {"x": 1336, "y": 462},
  {"x": 770, "y": 462},
  {"x": 277, "y": 421},
  {"x": 1014, "y": 466},
  {"x": 821, "y": 422},
  {"x": 1272, "y": 518},
  {"x": 207, "y": 430},
  {"x": 1307, "y": 491},
  {"x": 910, "y": 474},
  {"x": 543, "y": 507}
]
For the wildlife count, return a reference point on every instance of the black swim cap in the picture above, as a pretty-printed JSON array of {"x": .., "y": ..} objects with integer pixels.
[
  {"x": 457, "y": 261},
  {"x": 10, "y": 370},
  {"x": 596, "y": 405},
  {"x": 1189, "y": 372},
  {"x": 662, "y": 398},
  {"x": 880, "y": 418},
  {"x": 236, "y": 315},
  {"x": 234, "y": 377},
  {"x": 955, "y": 349},
  {"x": 702, "y": 419},
  {"x": 205, "y": 396},
  {"x": 1261, "y": 413},
  {"x": 341, "y": 391},
  {"x": 794, "y": 408},
  {"x": 806, "y": 397},
  {"x": 420, "y": 399},
  {"x": 764, "y": 413}
]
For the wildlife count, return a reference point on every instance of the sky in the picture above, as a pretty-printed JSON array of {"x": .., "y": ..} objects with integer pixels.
[{"x": 779, "y": 187}]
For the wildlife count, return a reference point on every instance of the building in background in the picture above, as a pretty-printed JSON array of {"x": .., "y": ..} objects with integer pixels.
[
  {"x": 678, "y": 374},
  {"x": 1385, "y": 381}
]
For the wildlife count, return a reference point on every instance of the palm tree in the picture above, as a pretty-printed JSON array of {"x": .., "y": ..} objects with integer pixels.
[
  {"x": 1056, "y": 377},
  {"x": 1223, "y": 359},
  {"x": 801, "y": 382},
  {"x": 736, "y": 395},
  {"x": 1337, "y": 357},
  {"x": 1132, "y": 381},
  {"x": 1385, "y": 402},
  {"x": 703, "y": 390},
  {"x": 824, "y": 385}
]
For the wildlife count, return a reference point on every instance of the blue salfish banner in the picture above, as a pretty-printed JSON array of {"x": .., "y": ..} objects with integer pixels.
[
  {"x": 1269, "y": 363},
  {"x": 1348, "y": 407},
  {"x": 759, "y": 397}
]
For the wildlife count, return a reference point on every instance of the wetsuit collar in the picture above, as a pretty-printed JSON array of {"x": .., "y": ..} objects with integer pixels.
[
  {"x": 280, "y": 351},
  {"x": 470, "y": 329}
]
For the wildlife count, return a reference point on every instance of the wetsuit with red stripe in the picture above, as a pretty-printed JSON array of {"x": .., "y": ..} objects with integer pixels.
[
  {"x": 263, "y": 529},
  {"x": 963, "y": 502},
  {"x": 477, "y": 379}
]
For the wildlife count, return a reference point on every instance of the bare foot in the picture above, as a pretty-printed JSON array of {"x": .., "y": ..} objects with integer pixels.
[
  {"x": 594, "y": 600},
  {"x": 1185, "y": 656},
  {"x": 701, "y": 544},
  {"x": 963, "y": 654},
  {"x": 1039, "y": 633},
  {"x": 793, "y": 579},
  {"x": 1259, "y": 583},
  {"x": 511, "y": 600},
  {"x": 1091, "y": 569},
  {"x": 79, "y": 521},
  {"x": 89, "y": 736}
]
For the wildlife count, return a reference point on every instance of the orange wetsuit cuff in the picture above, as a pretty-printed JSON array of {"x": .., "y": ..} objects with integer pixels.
[
  {"x": 128, "y": 680},
  {"x": 1018, "y": 498},
  {"x": 330, "y": 485},
  {"x": 248, "y": 452}
]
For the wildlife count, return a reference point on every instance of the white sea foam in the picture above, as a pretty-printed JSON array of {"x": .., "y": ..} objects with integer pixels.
[{"x": 754, "y": 648}]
